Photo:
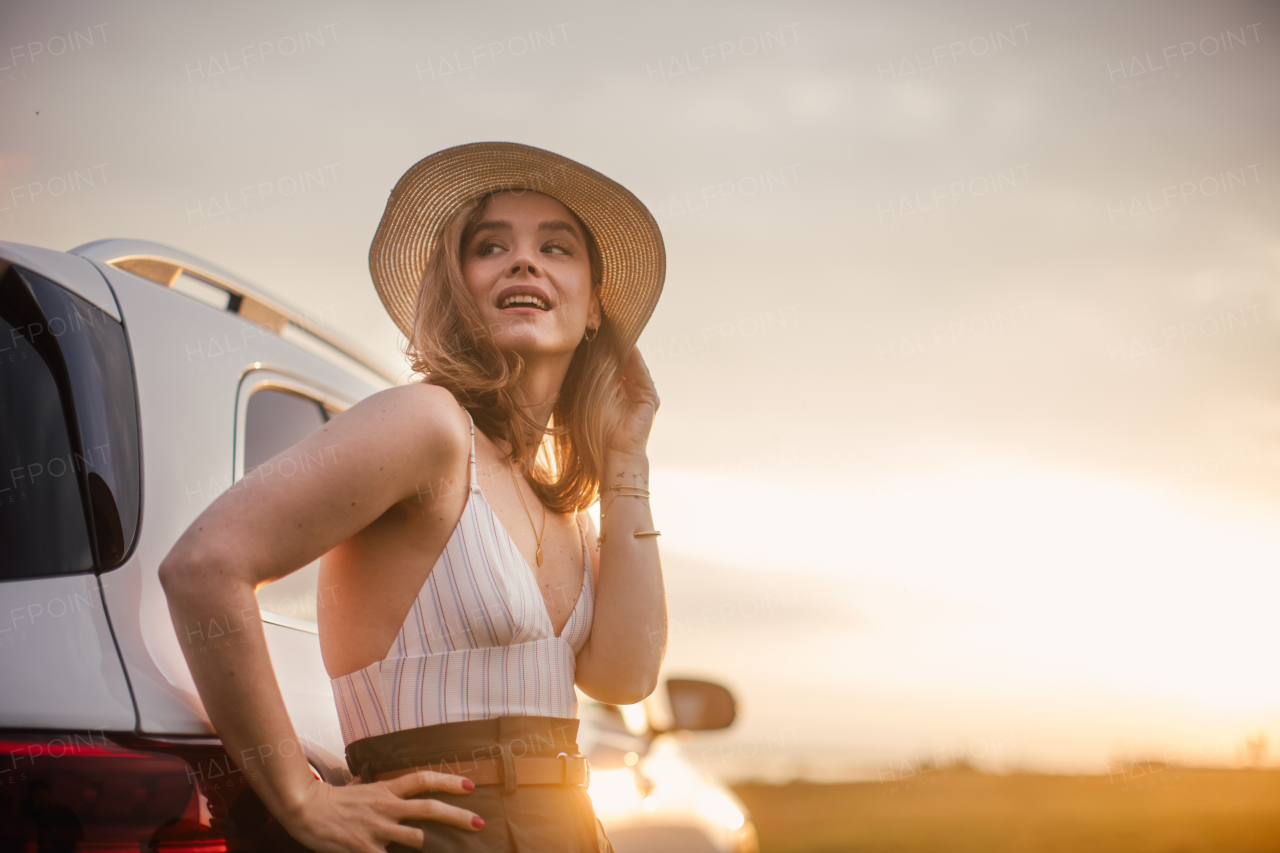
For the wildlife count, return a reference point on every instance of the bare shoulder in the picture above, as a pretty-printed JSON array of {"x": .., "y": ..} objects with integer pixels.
[
  {"x": 426, "y": 407},
  {"x": 413, "y": 423}
]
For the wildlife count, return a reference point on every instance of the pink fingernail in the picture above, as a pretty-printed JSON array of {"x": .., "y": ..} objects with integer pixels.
[
  {"x": 468, "y": 785},
  {"x": 477, "y": 822}
]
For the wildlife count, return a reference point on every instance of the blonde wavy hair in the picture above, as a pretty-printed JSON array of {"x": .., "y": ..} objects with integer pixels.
[{"x": 451, "y": 347}]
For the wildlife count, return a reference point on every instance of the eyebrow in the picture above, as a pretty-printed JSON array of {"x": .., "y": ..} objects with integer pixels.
[
  {"x": 548, "y": 225},
  {"x": 559, "y": 225},
  {"x": 492, "y": 225}
]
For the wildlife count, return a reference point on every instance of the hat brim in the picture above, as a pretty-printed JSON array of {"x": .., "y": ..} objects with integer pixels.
[{"x": 631, "y": 248}]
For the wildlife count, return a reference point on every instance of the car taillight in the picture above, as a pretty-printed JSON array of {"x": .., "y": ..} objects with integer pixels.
[{"x": 114, "y": 792}]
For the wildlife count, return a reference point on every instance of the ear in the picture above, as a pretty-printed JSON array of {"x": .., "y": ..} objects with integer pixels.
[{"x": 595, "y": 314}]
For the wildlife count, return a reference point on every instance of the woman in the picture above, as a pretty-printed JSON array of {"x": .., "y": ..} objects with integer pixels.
[{"x": 469, "y": 590}]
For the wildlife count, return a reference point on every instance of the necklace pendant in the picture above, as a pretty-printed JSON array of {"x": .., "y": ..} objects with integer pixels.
[{"x": 538, "y": 556}]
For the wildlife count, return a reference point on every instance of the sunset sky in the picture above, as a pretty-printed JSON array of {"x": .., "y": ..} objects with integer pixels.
[{"x": 970, "y": 426}]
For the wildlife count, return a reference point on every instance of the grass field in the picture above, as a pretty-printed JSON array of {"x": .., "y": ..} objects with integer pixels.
[{"x": 1143, "y": 810}]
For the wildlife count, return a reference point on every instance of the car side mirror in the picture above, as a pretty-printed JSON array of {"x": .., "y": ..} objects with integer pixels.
[{"x": 699, "y": 705}]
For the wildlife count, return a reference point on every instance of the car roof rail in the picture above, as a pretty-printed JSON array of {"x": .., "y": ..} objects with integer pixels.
[{"x": 166, "y": 266}]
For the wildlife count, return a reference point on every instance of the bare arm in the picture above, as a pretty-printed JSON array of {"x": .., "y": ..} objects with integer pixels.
[
  {"x": 267, "y": 526},
  {"x": 620, "y": 662}
]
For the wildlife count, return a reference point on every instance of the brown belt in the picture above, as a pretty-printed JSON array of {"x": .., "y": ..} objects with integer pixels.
[{"x": 564, "y": 769}]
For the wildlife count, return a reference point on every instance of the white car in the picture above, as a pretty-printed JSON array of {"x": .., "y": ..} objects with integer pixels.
[
  {"x": 646, "y": 791},
  {"x": 137, "y": 383}
]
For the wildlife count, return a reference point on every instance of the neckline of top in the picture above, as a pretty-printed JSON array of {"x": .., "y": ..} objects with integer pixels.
[{"x": 475, "y": 490}]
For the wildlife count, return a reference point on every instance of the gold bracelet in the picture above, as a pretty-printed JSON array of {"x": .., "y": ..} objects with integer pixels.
[
  {"x": 643, "y": 533},
  {"x": 623, "y": 492},
  {"x": 602, "y": 507}
]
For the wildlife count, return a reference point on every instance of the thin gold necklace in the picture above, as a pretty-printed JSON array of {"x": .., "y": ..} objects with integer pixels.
[{"x": 537, "y": 536}]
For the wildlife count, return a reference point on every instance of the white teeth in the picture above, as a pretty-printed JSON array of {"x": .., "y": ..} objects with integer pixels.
[{"x": 524, "y": 299}]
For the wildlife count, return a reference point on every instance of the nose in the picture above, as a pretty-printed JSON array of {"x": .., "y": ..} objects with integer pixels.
[{"x": 524, "y": 261}]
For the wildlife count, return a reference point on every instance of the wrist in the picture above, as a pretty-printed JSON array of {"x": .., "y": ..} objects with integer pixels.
[
  {"x": 628, "y": 462},
  {"x": 296, "y": 799}
]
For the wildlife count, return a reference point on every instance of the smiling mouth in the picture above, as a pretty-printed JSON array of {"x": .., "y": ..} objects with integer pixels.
[{"x": 524, "y": 300}]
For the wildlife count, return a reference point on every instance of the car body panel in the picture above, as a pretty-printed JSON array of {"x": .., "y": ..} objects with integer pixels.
[
  {"x": 305, "y": 686},
  {"x": 58, "y": 663}
]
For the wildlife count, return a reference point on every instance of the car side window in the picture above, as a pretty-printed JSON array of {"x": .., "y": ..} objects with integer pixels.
[
  {"x": 276, "y": 420},
  {"x": 70, "y": 490}
]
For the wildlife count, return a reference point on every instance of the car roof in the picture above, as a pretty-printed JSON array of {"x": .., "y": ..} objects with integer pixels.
[{"x": 168, "y": 266}]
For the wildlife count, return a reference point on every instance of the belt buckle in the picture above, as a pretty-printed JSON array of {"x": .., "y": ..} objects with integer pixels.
[{"x": 585, "y": 781}]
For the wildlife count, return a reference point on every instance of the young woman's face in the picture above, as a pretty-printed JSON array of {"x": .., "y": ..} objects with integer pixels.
[{"x": 527, "y": 267}]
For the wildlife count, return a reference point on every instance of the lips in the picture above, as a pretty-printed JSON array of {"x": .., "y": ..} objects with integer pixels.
[{"x": 524, "y": 297}]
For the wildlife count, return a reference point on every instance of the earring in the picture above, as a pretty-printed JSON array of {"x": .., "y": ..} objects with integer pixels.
[{"x": 591, "y": 333}]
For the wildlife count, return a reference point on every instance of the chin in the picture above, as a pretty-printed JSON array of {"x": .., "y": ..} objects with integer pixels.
[{"x": 533, "y": 345}]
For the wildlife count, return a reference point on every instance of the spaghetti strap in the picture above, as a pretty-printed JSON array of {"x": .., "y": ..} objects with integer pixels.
[{"x": 475, "y": 484}]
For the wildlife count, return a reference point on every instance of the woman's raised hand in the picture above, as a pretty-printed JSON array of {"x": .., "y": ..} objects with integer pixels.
[
  {"x": 634, "y": 420},
  {"x": 365, "y": 818}
]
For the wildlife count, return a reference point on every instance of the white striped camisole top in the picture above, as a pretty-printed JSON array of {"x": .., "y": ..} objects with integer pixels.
[{"x": 478, "y": 642}]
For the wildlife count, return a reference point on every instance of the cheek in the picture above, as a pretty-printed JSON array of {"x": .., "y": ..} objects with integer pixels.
[
  {"x": 473, "y": 275},
  {"x": 581, "y": 291},
  {"x": 581, "y": 305}
]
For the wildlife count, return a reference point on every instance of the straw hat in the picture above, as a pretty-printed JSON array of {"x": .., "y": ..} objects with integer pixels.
[{"x": 630, "y": 243}]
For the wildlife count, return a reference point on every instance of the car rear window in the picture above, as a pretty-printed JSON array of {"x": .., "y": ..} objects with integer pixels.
[{"x": 70, "y": 471}]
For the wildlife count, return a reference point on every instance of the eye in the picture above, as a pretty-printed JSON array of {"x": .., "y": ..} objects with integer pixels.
[
  {"x": 556, "y": 246},
  {"x": 488, "y": 247}
]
